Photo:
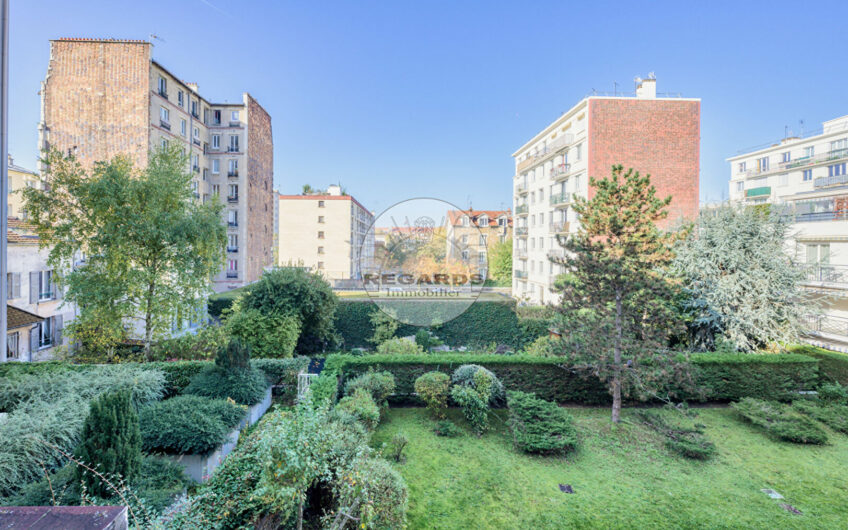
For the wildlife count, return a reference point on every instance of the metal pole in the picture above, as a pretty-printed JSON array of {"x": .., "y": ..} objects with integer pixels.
[{"x": 4, "y": 172}]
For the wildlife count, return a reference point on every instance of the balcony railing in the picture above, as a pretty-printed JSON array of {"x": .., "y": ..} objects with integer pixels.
[
  {"x": 826, "y": 182},
  {"x": 521, "y": 231},
  {"x": 556, "y": 253},
  {"x": 196, "y": 169},
  {"x": 830, "y": 156},
  {"x": 558, "y": 144},
  {"x": 828, "y": 274},
  {"x": 827, "y": 324},
  {"x": 840, "y": 215},
  {"x": 232, "y": 173},
  {"x": 521, "y": 188},
  {"x": 522, "y": 209},
  {"x": 164, "y": 124},
  {"x": 521, "y": 253},
  {"x": 232, "y": 198},
  {"x": 560, "y": 198},
  {"x": 163, "y": 93},
  {"x": 560, "y": 170},
  {"x": 196, "y": 141},
  {"x": 232, "y": 249},
  {"x": 232, "y": 223},
  {"x": 521, "y": 274},
  {"x": 235, "y": 124},
  {"x": 232, "y": 274},
  {"x": 557, "y": 227},
  {"x": 232, "y": 149}
]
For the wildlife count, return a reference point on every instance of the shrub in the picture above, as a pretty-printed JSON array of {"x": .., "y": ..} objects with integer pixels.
[
  {"x": 833, "y": 393},
  {"x": 731, "y": 376},
  {"x": 201, "y": 345},
  {"x": 177, "y": 374},
  {"x": 302, "y": 294},
  {"x": 834, "y": 416},
  {"x": 544, "y": 346},
  {"x": 426, "y": 339},
  {"x": 325, "y": 389},
  {"x": 361, "y": 405},
  {"x": 539, "y": 426},
  {"x": 111, "y": 442},
  {"x": 160, "y": 481},
  {"x": 219, "y": 302},
  {"x": 377, "y": 492},
  {"x": 774, "y": 418},
  {"x": 688, "y": 442},
  {"x": 385, "y": 327},
  {"x": 188, "y": 424},
  {"x": 474, "y": 400},
  {"x": 434, "y": 389},
  {"x": 467, "y": 375},
  {"x": 268, "y": 335},
  {"x": 447, "y": 428},
  {"x": 281, "y": 371},
  {"x": 379, "y": 384},
  {"x": 232, "y": 377},
  {"x": 833, "y": 365},
  {"x": 399, "y": 347},
  {"x": 397, "y": 446}
]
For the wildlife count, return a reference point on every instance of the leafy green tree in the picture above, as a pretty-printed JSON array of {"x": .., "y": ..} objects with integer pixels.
[
  {"x": 150, "y": 248},
  {"x": 617, "y": 288},
  {"x": 385, "y": 327},
  {"x": 267, "y": 335},
  {"x": 500, "y": 262},
  {"x": 111, "y": 443},
  {"x": 297, "y": 292},
  {"x": 741, "y": 281}
]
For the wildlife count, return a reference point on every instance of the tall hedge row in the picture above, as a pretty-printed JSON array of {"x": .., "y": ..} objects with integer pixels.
[
  {"x": 833, "y": 366},
  {"x": 723, "y": 377}
]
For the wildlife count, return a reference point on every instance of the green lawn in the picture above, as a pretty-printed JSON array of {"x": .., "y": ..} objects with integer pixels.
[{"x": 622, "y": 478}]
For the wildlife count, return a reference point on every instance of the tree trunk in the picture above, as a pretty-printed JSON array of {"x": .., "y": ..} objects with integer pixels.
[
  {"x": 148, "y": 321},
  {"x": 300, "y": 516},
  {"x": 616, "y": 378}
]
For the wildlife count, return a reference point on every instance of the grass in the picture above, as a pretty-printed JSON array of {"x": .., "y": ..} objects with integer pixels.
[{"x": 622, "y": 477}]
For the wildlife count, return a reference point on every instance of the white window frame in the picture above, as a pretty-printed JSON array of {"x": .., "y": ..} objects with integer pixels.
[
  {"x": 216, "y": 141},
  {"x": 216, "y": 166}
]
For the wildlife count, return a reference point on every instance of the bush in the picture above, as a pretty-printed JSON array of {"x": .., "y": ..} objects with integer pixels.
[
  {"x": 399, "y": 347},
  {"x": 160, "y": 482},
  {"x": 111, "y": 443},
  {"x": 299, "y": 293},
  {"x": 379, "y": 384},
  {"x": 202, "y": 345},
  {"x": 380, "y": 491},
  {"x": 833, "y": 393},
  {"x": 688, "y": 442},
  {"x": 188, "y": 424},
  {"x": 539, "y": 426},
  {"x": 731, "y": 376},
  {"x": 475, "y": 406},
  {"x": 177, "y": 374},
  {"x": 232, "y": 377},
  {"x": 467, "y": 375},
  {"x": 268, "y": 335},
  {"x": 778, "y": 422},
  {"x": 834, "y": 416},
  {"x": 282, "y": 373},
  {"x": 832, "y": 365},
  {"x": 544, "y": 346},
  {"x": 219, "y": 302},
  {"x": 434, "y": 389},
  {"x": 325, "y": 389},
  {"x": 397, "y": 446},
  {"x": 362, "y": 406},
  {"x": 447, "y": 428},
  {"x": 426, "y": 339}
]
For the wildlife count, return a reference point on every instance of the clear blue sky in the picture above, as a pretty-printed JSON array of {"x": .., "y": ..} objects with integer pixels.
[{"x": 404, "y": 99}]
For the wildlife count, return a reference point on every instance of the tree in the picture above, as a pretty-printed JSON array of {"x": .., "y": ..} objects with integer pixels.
[
  {"x": 150, "y": 248},
  {"x": 299, "y": 293},
  {"x": 740, "y": 280},
  {"x": 385, "y": 327},
  {"x": 616, "y": 285},
  {"x": 110, "y": 443},
  {"x": 500, "y": 262}
]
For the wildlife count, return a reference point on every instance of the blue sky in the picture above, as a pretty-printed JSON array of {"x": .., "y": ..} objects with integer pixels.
[{"x": 405, "y": 99}]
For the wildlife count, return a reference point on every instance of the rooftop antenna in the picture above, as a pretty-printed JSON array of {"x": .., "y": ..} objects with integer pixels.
[
  {"x": 801, "y": 126},
  {"x": 156, "y": 37},
  {"x": 615, "y": 88}
]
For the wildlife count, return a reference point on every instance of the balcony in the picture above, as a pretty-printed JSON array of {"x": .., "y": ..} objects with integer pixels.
[
  {"x": 522, "y": 209},
  {"x": 232, "y": 249},
  {"x": 195, "y": 169},
  {"x": 232, "y": 174},
  {"x": 232, "y": 274},
  {"x": 165, "y": 125},
  {"x": 521, "y": 188},
  {"x": 556, "y": 253},
  {"x": 558, "y": 227},
  {"x": 544, "y": 153},
  {"x": 232, "y": 149},
  {"x": 196, "y": 142},
  {"x": 163, "y": 93},
  {"x": 758, "y": 192},
  {"x": 560, "y": 171},
  {"x": 522, "y": 275},
  {"x": 827, "y": 182},
  {"x": 521, "y": 253},
  {"x": 830, "y": 156},
  {"x": 235, "y": 124},
  {"x": 826, "y": 324},
  {"x": 232, "y": 198},
  {"x": 560, "y": 199},
  {"x": 821, "y": 273},
  {"x": 207, "y": 150},
  {"x": 232, "y": 224},
  {"x": 521, "y": 231},
  {"x": 840, "y": 215}
]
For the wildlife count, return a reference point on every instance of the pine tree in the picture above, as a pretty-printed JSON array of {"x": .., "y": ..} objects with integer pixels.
[
  {"x": 111, "y": 443},
  {"x": 616, "y": 294}
]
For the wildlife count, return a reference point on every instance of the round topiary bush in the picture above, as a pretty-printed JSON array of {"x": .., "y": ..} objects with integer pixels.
[
  {"x": 361, "y": 405},
  {"x": 464, "y": 375},
  {"x": 399, "y": 347},
  {"x": 434, "y": 389},
  {"x": 380, "y": 385}
]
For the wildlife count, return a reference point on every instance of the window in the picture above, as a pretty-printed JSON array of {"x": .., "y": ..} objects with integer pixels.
[
  {"x": 13, "y": 285},
  {"x": 742, "y": 167},
  {"x": 163, "y": 87},
  {"x": 320, "y": 235},
  {"x": 579, "y": 151},
  {"x": 180, "y": 101},
  {"x": 818, "y": 254},
  {"x": 195, "y": 162},
  {"x": 783, "y": 180},
  {"x": 233, "y": 169},
  {"x": 234, "y": 115},
  {"x": 232, "y": 218},
  {"x": 232, "y": 242},
  {"x": 194, "y": 108},
  {"x": 44, "y": 329},
  {"x": 836, "y": 170},
  {"x": 808, "y": 175},
  {"x": 482, "y": 240},
  {"x": 42, "y": 283},
  {"x": 320, "y": 264},
  {"x": 465, "y": 220},
  {"x": 13, "y": 345},
  {"x": 233, "y": 191},
  {"x": 465, "y": 254},
  {"x": 206, "y": 116},
  {"x": 234, "y": 144},
  {"x": 839, "y": 145},
  {"x": 481, "y": 257},
  {"x": 320, "y": 250},
  {"x": 216, "y": 189},
  {"x": 196, "y": 132},
  {"x": 809, "y": 151},
  {"x": 232, "y": 268},
  {"x": 216, "y": 166},
  {"x": 320, "y": 218},
  {"x": 502, "y": 221},
  {"x": 320, "y": 204},
  {"x": 483, "y": 221},
  {"x": 164, "y": 143},
  {"x": 216, "y": 117},
  {"x": 216, "y": 141},
  {"x": 763, "y": 164},
  {"x": 164, "y": 115},
  {"x": 740, "y": 186},
  {"x": 182, "y": 127},
  {"x": 785, "y": 157}
]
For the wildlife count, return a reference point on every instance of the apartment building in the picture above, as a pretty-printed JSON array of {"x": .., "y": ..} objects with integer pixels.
[
  {"x": 657, "y": 134},
  {"x": 805, "y": 177},
  {"x": 470, "y": 233},
  {"x": 104, "y": 97},
  {"x": 19, "y": 178},
  {"x": 330, "y": 233},
  {"x": 37, "y": 313}
]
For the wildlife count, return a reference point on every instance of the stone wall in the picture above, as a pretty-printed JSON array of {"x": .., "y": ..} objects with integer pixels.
[{"x": 260, "y": 194}]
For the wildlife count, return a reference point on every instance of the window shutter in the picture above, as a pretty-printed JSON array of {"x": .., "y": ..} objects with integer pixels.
[
  {"x": 58, "y": 291},
  {"x": 33, "y": 287},
  {"x": 16, "y": 285},
  {"x": 33, "y": 338},
  {"x": 57, "y": 330}
]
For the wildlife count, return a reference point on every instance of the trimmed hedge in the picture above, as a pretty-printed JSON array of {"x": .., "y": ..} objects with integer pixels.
[
  {"x": 483, "y": 323},
  {"x": 833, "y": 366},
  {"x": 218, "y": 302},
  {"x": 726, "y": 377}
]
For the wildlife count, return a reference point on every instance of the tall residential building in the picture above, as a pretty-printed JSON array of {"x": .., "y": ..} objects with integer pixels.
[
  {"x": 19, "y": 178},
  {"x": 470, "y": 233},
  {"x": 327, "y": 233},
  {"x": 806, "y": 178},
  {"x": 104, "y": 97},
  {"x": 649, "y": 132}
]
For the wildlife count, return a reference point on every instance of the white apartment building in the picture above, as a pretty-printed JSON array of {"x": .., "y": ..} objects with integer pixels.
[
  {"x": 649, "y": 132},
  {"x": 806, "y": 178}
]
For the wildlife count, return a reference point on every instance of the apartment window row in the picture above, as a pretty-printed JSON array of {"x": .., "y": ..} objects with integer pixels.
[
  {"x": 194, "y": 105},
  {"x": 762, "y": 163}
]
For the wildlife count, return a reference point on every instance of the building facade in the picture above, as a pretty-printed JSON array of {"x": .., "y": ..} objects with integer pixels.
[
  {"x": 330, "y": 233},
  {"x": 19, "y": 178},
  {"x": 649, "y": 132},
  {"x": 806, "y": 179},
  {"x": 104, "y": 97},
  {"x": 471, "y": 233}
]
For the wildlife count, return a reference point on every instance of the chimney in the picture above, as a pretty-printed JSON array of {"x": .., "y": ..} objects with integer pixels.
[{"x": 646, "y": 88}]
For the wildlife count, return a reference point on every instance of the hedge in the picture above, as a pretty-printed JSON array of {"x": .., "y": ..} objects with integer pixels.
[
  {"x": 482, "y": 324},
  {"x": 833, "y": 366},
  {"x": 220, "y": 301},
  {"x": 726, "y": 377}
]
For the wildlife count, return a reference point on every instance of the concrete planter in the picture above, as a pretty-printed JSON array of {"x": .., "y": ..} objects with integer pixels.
[{"x": 254, "y": 412}]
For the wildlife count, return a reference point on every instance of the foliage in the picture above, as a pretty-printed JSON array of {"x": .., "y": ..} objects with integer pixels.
[
  {"x": 296, "y": 292},
  {"x": 177, "y": 374},
  {"x": 325, "y": 389},
  {"x": 740, "y": 279},
  {"x": 150, "y": 248},
  {"x": 385, "y": 327},
  {"x": 474, "y": 399},
  {"x": 426, "y": 339},
  {"x": 447, "y": 429},
  {"x": 379, "y": 384},
  {"x": 685, "y": 441},
  {"x": 467, "y": 375},
  {"x": 188, "y": 424},
  {"x": 397, "y": 446},
  {"x": 616, "y": 284},
  {"x": 246, "y": 387},
  {"x": 731, "y": 376},
  {"x": 362, "y": 406},
  {"x": 434, "y": 389},
  {"x": 833, "y": 365},
  {"x": 160, "y": 481},
  {"x": 202, "y": 345},
  {"x": 833, "y": 393},
  {"x": 268, "y": 335},
  {"x": 834, "y": 416},
  {"x": 282, "y": 373},
  {"x": 544, "y": 346},
  {"x": 539, "y": 426},
  {"x": 775, "y": 419},
  {"x": 110, "y": 442},
  {"x": 399, "y": 347},
  {"x": 373, "y": 492},
  {"x": 217, "y": 303},
  {"x": 500, "y": 262}
]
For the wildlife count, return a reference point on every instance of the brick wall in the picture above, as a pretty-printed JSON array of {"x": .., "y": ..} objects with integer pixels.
[
  {"x": 260, "y": 194},
  {"x": 95, "y": 97},
  {"x": 658, "y": 137}
]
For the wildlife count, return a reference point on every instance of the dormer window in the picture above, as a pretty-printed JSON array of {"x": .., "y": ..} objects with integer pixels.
[
  {"x": 483, "y": 221},
  {"x": 465, "y": 220}
]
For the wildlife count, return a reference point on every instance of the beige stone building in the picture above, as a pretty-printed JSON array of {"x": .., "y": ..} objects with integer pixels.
[
  {"x": 104, "y": 97},
  {"x": 470, "y": 233},
  {"x": 328, "y": 233},
  {"x": 19, "y": 178}
]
